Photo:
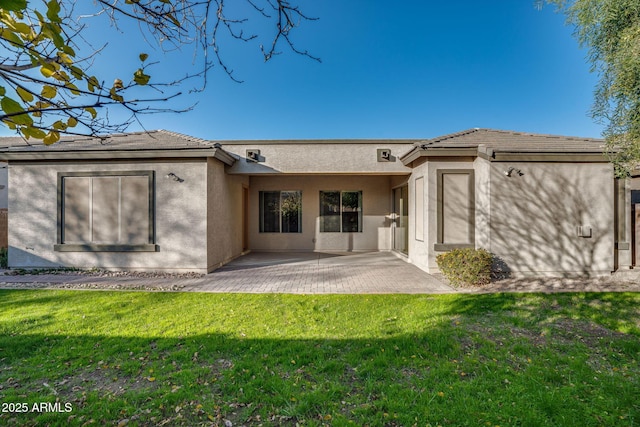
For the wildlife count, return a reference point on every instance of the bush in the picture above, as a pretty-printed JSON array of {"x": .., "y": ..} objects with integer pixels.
[
  {"x": 3, "y": 257},
  {"x": 466, "y": 267}
]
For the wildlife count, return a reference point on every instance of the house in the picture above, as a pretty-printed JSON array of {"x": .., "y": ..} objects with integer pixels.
[{"x": 544, "y": 205}]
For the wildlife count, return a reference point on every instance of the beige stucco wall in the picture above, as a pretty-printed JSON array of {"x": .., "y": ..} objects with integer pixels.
[
  {"x": 319, "y": 157},
  {"x": 534, "y": 218},
  {"x": 224, "y": 214},
  {"x": 376, "y": 203},
  {"x": 418, "y": 252},
  {"x": 529, "y": 221},
  {"x": 181, "y": 218},
  {"x": 421, "y": 252}
]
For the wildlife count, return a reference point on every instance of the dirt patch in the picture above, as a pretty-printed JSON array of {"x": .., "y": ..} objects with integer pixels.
[
  {"x": 589, "y": 333},
  {"x": 106, "y": 381}
]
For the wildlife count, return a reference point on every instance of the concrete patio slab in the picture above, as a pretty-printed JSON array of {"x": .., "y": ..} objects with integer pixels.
[{"x": 320, "y": 273}]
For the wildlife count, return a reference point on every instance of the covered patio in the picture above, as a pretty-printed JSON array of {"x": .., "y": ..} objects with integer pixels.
[{"x": 321, "y": 273}]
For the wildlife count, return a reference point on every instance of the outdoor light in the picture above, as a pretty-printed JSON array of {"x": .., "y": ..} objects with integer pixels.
[
  {"x": 174, "y": 177},
  {"x": 253, "y": 156},
  {"x": 511, "y": 170},
  {"x": 384, "y": 155}
]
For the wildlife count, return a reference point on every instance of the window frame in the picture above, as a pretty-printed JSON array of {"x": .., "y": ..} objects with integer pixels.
[
  {"x": 341, "y": 222},
  {"x": 261, "y": 211},
  {"x": 150, "y": 246},
  {"x": 440, "y": 244}
]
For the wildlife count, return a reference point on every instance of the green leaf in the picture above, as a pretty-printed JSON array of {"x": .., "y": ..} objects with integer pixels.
[
  {"x": 72, "y": 122},
  {"x": 48, "y": 70},
  {"x": 11, "y": 106},
  {"x": 77, "y": 72},
  {"x": 49, "y": 92},
  {"x": 140, "y": 77},
  {"x": 31, "y": 132},
  {"x": 143, "y": 57},
  {"x": 173, "y": 19},
  {"x": 73, "y": 88},
  {"x": 59, "y": 125},
  {"x": 91, "y": 111},
  {"x": 2, "y": 91},
  {"x": 52, "y": 31},
  {"x": 24, "y": 95},
  {"x": 14, "y": 5},
  {"x": 115, "y": 96},
  {"x": 92, "y": 84},
  {"x": 68, "y": 50},
  {"x": 53, "y": 11},
  {"x": 10, "y": 36},
  {"x": 51, "y": 138}
]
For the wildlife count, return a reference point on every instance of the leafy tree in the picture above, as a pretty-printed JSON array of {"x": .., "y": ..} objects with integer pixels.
[
  {"x": 47, "y": 87},
  {"x": 610, "y": 30}
]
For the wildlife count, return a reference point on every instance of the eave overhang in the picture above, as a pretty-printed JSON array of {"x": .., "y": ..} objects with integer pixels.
[
  {"x": 506, "y": 155},
  {"x": 217, "y": 153}
]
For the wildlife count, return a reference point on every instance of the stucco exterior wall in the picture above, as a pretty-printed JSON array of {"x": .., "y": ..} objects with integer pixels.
[
  {"x": 376, "y": 205},
  {"x": 319, "y": 157},
  {"x": 529, "y": 221},
  {"x": 534, "y": 218},
  {"x": 431, "y": 198},
  {"x": 418, "y": 248},
  {"x": 224, "y": 214},
  {"x": 181, "y": 218}
]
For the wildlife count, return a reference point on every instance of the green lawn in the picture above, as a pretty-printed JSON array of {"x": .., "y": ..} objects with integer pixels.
[{"x": 136, "y": 358}]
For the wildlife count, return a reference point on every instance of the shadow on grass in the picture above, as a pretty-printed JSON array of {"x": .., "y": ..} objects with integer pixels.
[{"x": 457, "y": 360}]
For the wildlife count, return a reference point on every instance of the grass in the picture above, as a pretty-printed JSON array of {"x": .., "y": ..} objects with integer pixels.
[{"x": 134, "y": 358}]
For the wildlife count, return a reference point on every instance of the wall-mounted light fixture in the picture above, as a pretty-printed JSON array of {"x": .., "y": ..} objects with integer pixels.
[
  {"x": 254, "y": 156},
  {"x": 174, "y": 177},
  {"x": 509, "y": 172},
  {"x": 384, "y": 155}
]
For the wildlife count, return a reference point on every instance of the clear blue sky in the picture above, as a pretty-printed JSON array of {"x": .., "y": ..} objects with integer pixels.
[{"x": 412, "y": 69}]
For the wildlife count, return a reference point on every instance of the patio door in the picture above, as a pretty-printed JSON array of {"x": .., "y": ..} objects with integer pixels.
[{"x": 400, "y": 226}]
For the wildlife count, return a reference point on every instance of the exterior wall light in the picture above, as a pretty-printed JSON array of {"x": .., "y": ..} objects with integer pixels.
[
  {"x": 509, "y": 172},
  {"x": 174, "y": 177}
]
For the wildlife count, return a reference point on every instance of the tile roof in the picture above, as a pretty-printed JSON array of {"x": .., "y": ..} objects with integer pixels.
[
  {"x": 151, "y": 140},
  {"x": 502, "y": 140}
]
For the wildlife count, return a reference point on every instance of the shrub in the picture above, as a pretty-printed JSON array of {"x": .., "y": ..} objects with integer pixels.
[{"x": 466, "y": 267}]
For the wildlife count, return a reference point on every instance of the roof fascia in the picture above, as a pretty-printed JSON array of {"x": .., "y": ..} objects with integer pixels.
[
  {"x": 216, "y": 153},
  {"x": 565, "y": 157},
  {"x": 438, "y": 152},
  {"x": 504, "y": 156}
]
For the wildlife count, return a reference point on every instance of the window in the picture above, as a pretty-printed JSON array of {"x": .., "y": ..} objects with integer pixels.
[
  {"x": 280, "y": 211},
  {"x": 106, "y": 211},
  {"x": 340, "y": 211},
  {"x": 456, "y": 209}
]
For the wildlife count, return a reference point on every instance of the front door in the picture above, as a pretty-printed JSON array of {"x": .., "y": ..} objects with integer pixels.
[{"x": 400, "y": 227}]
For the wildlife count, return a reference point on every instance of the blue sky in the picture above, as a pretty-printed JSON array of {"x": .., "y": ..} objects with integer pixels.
[{"x": 411, "y": 69}]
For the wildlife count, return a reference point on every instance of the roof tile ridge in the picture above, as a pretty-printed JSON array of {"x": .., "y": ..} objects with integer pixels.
[
  {"x": 185, "y": 137},
  {"x": 427, "y": 142},
  {"x": 547, "y": 135}
]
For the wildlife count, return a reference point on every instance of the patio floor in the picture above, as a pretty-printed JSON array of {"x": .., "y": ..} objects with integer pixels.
[{"x": 320, "y": 272}]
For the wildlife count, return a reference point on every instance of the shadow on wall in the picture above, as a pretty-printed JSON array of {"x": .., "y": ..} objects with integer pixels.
[{"x": 534, "y": 220}]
